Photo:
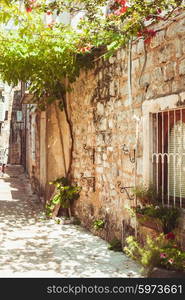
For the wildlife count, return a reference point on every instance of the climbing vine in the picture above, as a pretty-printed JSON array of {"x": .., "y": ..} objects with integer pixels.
[
  {"x": 47, "y": 54},
  {"x": 38, "y": 46}
]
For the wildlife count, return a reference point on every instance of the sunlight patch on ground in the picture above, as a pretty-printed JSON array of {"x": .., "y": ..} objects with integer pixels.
[{"x": 32, "y": 246}]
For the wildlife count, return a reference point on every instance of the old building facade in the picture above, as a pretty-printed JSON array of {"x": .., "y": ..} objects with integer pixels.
[
  {"x": 125, "y": 127},
  {"x": 6, "y": 100}
]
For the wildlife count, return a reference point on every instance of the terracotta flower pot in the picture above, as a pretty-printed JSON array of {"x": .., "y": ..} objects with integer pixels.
[{"x": 150, "y": 222}]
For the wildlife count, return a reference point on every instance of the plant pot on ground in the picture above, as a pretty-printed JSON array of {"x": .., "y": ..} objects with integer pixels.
[
  {"x": 160, "y": 218},
  {"x": 150, "y": 222},
  {"x": 65, "y": 193},
  {"x": 146, "y": 195}
]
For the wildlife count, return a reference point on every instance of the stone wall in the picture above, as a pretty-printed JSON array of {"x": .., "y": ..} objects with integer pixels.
[
  {"x": 106, "y": 117},
  {"x": 35, "y": 161},
  {"x": 58, "y": 145},
  {"x": 6, "y": 105},
  {"x": 16, "y": 129}
]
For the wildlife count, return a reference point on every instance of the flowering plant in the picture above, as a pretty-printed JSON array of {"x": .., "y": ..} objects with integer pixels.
[
  {"x": 160, "y": 251},
  {"x": 172, "y": 258},
  {"x": 168, "y": 216},
  {"x": 170, "y": 236},
  {"x": 45, "y": 56}
]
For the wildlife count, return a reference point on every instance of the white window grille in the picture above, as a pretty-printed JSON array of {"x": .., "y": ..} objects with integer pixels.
[{"x": 168, "y": 156}]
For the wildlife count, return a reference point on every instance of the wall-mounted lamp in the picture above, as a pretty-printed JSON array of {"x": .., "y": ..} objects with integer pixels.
[{"x": 126, "y": 150}]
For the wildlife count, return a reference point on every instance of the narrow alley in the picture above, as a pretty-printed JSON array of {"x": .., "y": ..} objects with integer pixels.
[
  {"x": 92, "y": 141},
  {"x": 32, "y": 246}
]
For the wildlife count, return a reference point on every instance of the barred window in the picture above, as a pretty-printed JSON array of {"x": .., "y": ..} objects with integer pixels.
[{"x": 168, "y": 156}]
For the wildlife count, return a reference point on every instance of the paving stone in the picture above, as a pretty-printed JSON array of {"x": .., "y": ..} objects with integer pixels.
[{"x": 32, "y": 246}]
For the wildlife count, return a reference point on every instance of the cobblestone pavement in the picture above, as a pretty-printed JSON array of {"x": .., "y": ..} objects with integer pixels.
[{"x": 32, "y": 246}]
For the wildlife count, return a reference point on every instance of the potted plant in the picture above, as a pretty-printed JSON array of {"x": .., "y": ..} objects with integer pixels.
[
  {"x": 162, "y": 219},
  {"x": 146, "y": 195},
  {"x": 146, "y": 217},
  {"x": 160, "y": 252},
  {"x": 63, "y": 196}
]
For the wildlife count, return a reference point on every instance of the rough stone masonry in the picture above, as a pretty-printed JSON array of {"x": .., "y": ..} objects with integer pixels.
[{"x": 104, "y": 113}]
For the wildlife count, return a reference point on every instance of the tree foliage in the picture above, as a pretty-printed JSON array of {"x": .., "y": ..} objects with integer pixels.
[{"x": 45, "y": 55}]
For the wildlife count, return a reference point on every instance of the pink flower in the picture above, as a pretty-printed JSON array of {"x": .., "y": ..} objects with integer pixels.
[
  {"x": 171, "y": 261},
  {"x": 49, "y": 12},
  {"x": 120, "y": 11},
  {"x": 163, "y": 255},
  {"x": 122, "y": 2},
  {"x": 86, "y": 49},
  {"x": 123, "y": 9},
  {"x": 28, "y": 9}
]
